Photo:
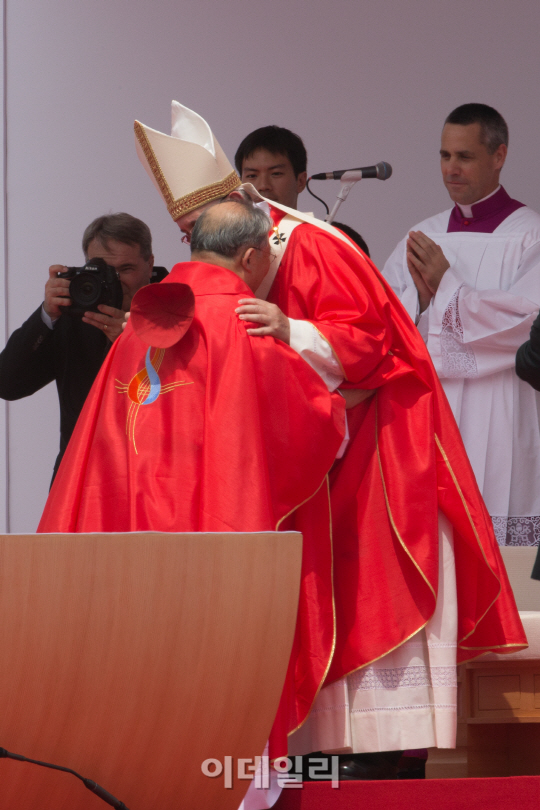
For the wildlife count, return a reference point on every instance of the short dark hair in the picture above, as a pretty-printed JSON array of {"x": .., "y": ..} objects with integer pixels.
[
  {"x": 277, "y": 141},
  {"x": 494, "y": 129},
  {"x": 352, "y": 234},
  {"x": 241, "y": 226},
  {"x": 122, "y": 228}
]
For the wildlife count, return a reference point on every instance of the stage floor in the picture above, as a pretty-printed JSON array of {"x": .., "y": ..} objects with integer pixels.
[{"x": 509, "y": 793}]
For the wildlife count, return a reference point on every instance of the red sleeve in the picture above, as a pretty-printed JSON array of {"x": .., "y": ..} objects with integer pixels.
[{"x": 343, "y": 295}]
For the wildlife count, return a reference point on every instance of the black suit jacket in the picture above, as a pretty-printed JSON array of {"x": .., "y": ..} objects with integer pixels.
[
  {"x": 528, "y": 357},
  {"x": 528, "y": 368},
  {"x": 71, "y": 354}
]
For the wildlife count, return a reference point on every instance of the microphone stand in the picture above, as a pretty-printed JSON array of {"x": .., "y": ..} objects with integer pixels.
[
  {"x": 347, "y": 181},
  {"x": 88, "y": 783}
]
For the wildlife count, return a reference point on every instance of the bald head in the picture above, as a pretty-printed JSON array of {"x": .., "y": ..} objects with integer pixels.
[{"x": 234, "y": 235}]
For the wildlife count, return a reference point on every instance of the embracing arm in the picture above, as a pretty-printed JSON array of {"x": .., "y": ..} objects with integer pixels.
[
  {"x": 338, "y": 310},
  {"x": 342, "y": 295}
]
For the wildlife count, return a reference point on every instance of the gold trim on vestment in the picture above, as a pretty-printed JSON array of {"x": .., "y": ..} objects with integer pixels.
[
  {"x": 494, "y": 647},
  {"x": 331, "y": 658},
  {"x": 388, "y": 504},
  {"x": 487, "y": 650},
  {"x": 189, "y": 202},
  {"x": 391, "y": 650},
  {"x": 456, "y": 484},
  {"x": 394, "y": 527},
  {"x": 280, "y": 521}
]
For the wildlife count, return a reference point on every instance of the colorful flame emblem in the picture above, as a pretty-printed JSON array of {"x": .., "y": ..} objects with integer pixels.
[{"x": 144, "y": 388}]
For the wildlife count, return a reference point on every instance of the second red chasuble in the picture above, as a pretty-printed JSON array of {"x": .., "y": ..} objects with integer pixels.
[
  {"x": 219, "y": 432},
  {"x": 404, "y": 462}
]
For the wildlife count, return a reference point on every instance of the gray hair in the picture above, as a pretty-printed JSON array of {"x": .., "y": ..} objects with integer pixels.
[
  {"x": 243, "y": 226},
  {"x": 493, "y": 127},
  {"x": 122, "y": 228}
]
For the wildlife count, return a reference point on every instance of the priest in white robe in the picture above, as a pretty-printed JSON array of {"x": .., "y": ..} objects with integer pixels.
[{"x": 470, "y": 279}]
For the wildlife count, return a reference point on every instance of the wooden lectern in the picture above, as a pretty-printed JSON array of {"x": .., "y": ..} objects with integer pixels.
[{"x": 133, "y": 658}]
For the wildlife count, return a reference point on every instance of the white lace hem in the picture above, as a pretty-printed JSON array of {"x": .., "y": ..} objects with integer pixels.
[
  {"x": 517, "y": 531},
  {"x": 403, "y": 677}
]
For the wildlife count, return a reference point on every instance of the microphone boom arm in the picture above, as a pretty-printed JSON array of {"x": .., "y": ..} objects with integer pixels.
[{"x": 346, "y": 183}]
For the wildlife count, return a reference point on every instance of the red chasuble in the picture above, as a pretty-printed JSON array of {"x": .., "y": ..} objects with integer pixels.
[
  {"x": 219, "y": 432},
  {"x": 405, "y": 461}
]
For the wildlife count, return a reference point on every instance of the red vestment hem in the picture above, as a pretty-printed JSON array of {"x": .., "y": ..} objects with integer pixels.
[{"x": 404, "y": 462}]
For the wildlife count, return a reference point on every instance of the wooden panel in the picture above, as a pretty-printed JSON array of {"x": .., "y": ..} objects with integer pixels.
[
  {"x": 487, "y": 751},
  {"x": 133, "y": 658},
  {"x": 504, "y": 692},
  {"x": 503, "y": 750},
  {"x": 499, "y": 692},
  {"x": 461, "y": 730},
  {"x": 537, "y": 691},
  {"x": 446, "y": 763}
]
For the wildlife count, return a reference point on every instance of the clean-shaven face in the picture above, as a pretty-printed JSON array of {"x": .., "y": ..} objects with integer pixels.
[
  {"x": 469, "y": 172},
  {"x": 273, "y": 176}
]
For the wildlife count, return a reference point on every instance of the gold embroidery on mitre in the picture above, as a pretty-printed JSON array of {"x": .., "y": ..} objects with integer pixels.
[
  {"x": 153, "y": 162},
  {"x": 189, "y": 202},
  {"x": 214, "y": 191}
]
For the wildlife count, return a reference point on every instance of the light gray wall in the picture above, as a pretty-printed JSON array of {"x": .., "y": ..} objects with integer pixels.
[
  {"x": 360, "y": 82},
  {"x": 4, "y": 490}
]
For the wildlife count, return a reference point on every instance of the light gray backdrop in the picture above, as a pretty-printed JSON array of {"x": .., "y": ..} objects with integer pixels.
[{"x": 360, "y": 82}]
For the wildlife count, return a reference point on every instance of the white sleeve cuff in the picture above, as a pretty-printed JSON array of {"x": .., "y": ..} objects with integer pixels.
[
  {"x": 47, "y": 320},
  {"x": 316, "y": 351}
]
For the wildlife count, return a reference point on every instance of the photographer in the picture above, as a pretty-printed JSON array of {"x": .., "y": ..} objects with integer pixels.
[{"x": 54, "y": 344}]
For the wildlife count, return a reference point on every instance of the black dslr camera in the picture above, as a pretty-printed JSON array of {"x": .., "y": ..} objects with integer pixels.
[{"x": 95, "y": 283}]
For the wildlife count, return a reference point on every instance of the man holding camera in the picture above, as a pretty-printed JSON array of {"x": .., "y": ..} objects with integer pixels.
[{"x": 56, "y": 344}]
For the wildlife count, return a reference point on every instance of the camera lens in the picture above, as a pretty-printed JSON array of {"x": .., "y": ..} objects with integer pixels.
[{"x": 85, "y": 290}]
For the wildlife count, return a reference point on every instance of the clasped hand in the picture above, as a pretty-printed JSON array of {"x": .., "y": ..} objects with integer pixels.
[
  {"x": 273, "y": 322},
  {"x": 427, "y": 265}
]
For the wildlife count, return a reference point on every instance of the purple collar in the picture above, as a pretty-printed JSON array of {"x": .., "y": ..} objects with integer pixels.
[{"x": 487, "y": 215}]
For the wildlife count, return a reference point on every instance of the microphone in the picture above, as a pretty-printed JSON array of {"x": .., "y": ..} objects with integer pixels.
[{"x": 382, "y": 171}]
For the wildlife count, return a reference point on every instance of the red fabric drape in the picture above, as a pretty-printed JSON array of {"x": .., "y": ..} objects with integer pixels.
[
  {"x": 405, "y": 461},
  {"x": 240, "y": 438}
]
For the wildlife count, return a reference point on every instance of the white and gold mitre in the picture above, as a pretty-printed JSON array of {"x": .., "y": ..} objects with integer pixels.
[{"x": 188, "y": 167}]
